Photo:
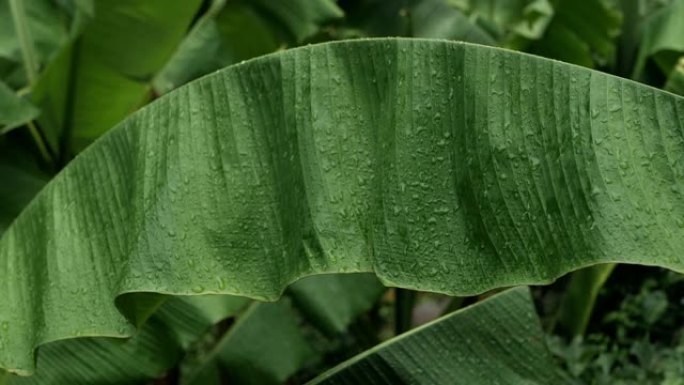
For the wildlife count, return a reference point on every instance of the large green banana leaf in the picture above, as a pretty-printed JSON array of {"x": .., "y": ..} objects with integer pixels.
[
  {"x": 436, "y": 165},
  {"x": 497, "y": 341},
  {"x": 105, "y": 361},
  {"x": 177, "y": 327},
  {"x": 156, "y": 348}
]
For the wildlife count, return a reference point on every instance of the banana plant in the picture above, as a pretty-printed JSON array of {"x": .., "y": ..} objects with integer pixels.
[
  {"x": 395, "y": 150},
  {"x": 430, "y": 165}
]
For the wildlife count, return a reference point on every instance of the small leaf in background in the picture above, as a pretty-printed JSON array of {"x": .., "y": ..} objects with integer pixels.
[
  {"x": 333, "y": 302},
  {"x": 437, "y": 20},
  {"x": 581, "y": 32},
  {"x": 264, "y": 347},
  {"x": 44, "y": 22},
  {"x": 580, "y": 297},
  {"x": 14, "y": 110},
  {"x": 662, "y": 39},
  {"x": 218, "y": 37},
  {"x": 215, "y": 41},
  {"x": 117, "y": 56},
  {"x": 675, "y": 81},
  {"x": 525, "y": 18}
]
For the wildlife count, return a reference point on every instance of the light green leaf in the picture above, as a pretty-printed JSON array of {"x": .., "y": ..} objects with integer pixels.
[
  {"x": 497, "y": 341},
  {"x": 119, "y": 53},
  {"x": 106, "y": 361},
  {"x": 526, "y": 18},
  {"x": 14, "y": 110},
  {"x": 329, "y": 303},
  {"x": 188, "y": 317},
  {"x": 158, "y": 346},
  {"x": 662, "y": 38},
  {"x": 437, "y": 165},
  {"x": 635, "y": 16},
  {"x": 580, "y": 296},
  {"x": 675, "y": 82},
  {"x": 52, "y": 93},
  {"x": 436, "y": 19},
  {"x": 333, "y": 302},
  {"x": 264, "y": 347},
  {"x": 42, "y": 30}
]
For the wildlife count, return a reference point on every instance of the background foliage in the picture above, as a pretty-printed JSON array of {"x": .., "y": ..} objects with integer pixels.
[{"x": 72, "y": 69}]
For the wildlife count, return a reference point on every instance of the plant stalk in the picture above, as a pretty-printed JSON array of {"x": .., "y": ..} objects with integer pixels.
[
  {"x": 40, "y": 143},
  {"x": 403, "y": 309},
  {"x": 28, "y": 53}
]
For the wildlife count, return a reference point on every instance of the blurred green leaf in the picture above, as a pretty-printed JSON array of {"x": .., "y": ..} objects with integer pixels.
[
  {"x": 436, "y": 19},
  {"x": 264, "y": 347},
  {"x": 14, "y": 110},
  {"x": 115, "y": 60},
  {"x": 580, "y": 296},
  {"x": 333, "y": 302},
  {"x": 232, "y": 31},
  {"x": 189, "y": 317},
  {"x": 21, "y": 180},
  {"x": 216, "y": 40},
  {"x": 525, "y": 18},
  {"x": 296, "y": 20},
  {"x": 675, "y": 82},
  {"x": 46, "y": 27},
  {"x": 581, "y": 32},
  {"x": 663, "y": 39}
]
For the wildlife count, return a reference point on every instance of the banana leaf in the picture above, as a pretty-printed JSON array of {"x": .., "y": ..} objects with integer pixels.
[
  {"x": 436, "y": 165},
  {"x": 496, "y": 341}
]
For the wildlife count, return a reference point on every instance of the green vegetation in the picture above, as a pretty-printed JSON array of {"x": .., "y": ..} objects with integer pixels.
[{"x": 167, "y": 167}]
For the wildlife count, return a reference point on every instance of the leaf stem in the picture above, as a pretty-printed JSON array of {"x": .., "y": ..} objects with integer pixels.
[
  {"x": 25, "y": 41},
  {"x": 28, "y": 53},
  {"x": 403, "y": 309},
  {"x": 40, "y": 143}
]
